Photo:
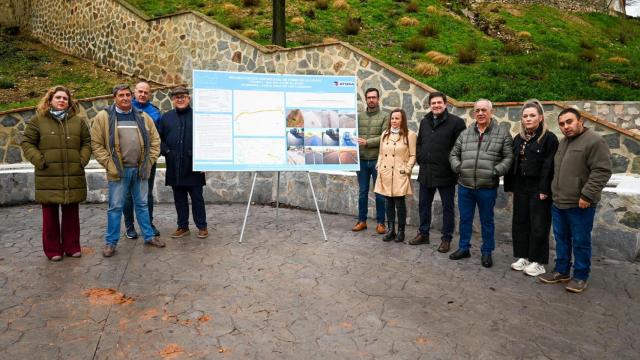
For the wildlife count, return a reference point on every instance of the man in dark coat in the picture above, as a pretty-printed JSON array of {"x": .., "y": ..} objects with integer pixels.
[
  {"x": 438, "y": 133},
  {"x": 176, "y": 132}
]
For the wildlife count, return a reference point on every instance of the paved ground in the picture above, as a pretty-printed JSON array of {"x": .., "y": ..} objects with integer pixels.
[{"x": 287, "y": 294}]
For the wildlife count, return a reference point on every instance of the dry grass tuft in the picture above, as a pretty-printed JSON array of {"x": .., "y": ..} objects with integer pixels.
[
  {"x": 298, "y": 20},
  {"x": 439, "y": 58},
  {"x": 230, "y": 8},
  {"x": 432, "y": 10},
  {"x": 524, "y": 35},
  {"x": 328, "y": 40},
  {"x": 408, "y": 21},
  {"x": 251, "y": 34},
  {"x": 427, "y": 69},
  {"x": 619, "y": 60},
  {"x": 340, "y": 5}
]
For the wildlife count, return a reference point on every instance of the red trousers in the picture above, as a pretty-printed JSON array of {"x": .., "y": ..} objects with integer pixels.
[{"x": 57, "y": 239}]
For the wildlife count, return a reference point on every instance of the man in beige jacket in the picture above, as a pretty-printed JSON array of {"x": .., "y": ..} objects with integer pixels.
[{"x": 126, "y": 143}]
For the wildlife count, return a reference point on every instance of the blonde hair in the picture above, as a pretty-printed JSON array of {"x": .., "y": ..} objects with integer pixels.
[
  {"x": 533, "y": 104},
  {"x": 45, "y": 103}
]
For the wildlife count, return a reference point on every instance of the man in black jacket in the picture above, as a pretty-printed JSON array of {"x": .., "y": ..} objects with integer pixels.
[
  {"x": 438, "y": 133},
  {"x": 176, "y": 132}
]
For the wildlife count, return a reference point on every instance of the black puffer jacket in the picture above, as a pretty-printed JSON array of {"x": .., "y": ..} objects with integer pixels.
[
  {"x": 433, "y": 147},
  {"x": 479, "y": 160},
  {"x": 534, "y": 170}
]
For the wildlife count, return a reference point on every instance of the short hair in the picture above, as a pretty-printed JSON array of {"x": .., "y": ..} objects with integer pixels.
[
  {"x": 480, "y": 100},
  {"x": 370, "y": 90},
  {"x": 120, "y": 87},
  {"x": 437, "y": 94},
  {"x": 572, "y": 111}
]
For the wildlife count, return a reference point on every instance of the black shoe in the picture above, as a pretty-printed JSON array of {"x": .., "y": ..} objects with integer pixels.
[
  {"x": 131, "y": 233},
  {"x": 460, "y": 254},
  {"x": 391, "y": 232},
  {"x": 487, "y": 261},
  {"x": 400, "y": 236},
  {"x": 156, "y": 232}
]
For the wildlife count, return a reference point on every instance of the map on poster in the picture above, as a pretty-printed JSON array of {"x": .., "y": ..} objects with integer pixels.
[{"x": 274, "y": 122}]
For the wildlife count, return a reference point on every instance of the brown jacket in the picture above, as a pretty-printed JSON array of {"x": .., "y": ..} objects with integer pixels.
[
  {"x": 395, "y": 162},
  {"x": 106, "y": 144},
  {"x": 582, "y": 169}
]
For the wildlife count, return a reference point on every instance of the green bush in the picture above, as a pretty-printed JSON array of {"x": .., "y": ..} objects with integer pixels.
[
  {"x": 430, "y": 30},
  {"x": 352, "y": 25},
  {"x": 322, "y": 4},
  {"x": 416, "y": 44},
  {"x": 469, "y": 53},
  {"x": 236, "y": 23},
  {"x": 7, "y": 84},
  {"x": 588, "y": 55},
  {"x": 512, "y": 48},
  {"x": 412, "y": 7}
]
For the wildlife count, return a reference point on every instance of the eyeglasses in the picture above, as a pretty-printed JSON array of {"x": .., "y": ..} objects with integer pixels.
[{"x": 180, "y": 96}]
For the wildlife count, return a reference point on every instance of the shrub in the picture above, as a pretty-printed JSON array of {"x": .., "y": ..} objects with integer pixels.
[
  {"x": 352, "y": 25},
  {"x": 585, "y": 44},
  {"x": 588, "y": 55},
  {"x": 408, "y": 21},
  {"x": 211, "y": 12},
  {"x": 322, "y": 4},
  {"x": 250, "y": 2},
  {"x": 603, "y": 85},
  {"x": 512, "y": 48},
  {"x": 6, "y": 84},
  {"x": 230, "y": 8},
  {"x": 310, "y": 14},
  {"x": 416, "y": 43},
  {"x": 432, "y": 9},
  {"x": 618, "y": 60},
  {"x": 298, "y": 20},
  {"x": 200, "y": 4},
  {"x": 427, "y": 69},
  {"x": 430, "y": 30},
  {"x": 439, "y": 58},
  {"x": 235, "y": 23},
  {"x": 468, "y": 54},
  {"x": 250, "y": 33},
  {"x": 340, "y": 5},
  {"x": 412, "y": 7}
]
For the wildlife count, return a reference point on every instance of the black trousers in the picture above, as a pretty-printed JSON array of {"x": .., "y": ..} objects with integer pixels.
[
  {"x": 447, "y": 196},
  {"x": 530, "y": 226},
  {"x": 393, "y": 203},
  {"x": 182, "y": 206}
]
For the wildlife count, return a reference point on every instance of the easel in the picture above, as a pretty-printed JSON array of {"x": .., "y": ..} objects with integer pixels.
[{"x": 253, "y": 184}]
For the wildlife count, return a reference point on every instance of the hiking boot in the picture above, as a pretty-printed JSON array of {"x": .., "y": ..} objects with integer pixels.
[
  {"x": 361, "y": 225},
  {"x": 131, "y": 232},
  {"x": 419, "y": 239},
  {"x": 180, "y": 233},
  {"x": 380, "y": 229},
  {"x": 203, "y": 233},
  {"x": 108, "y": 250},
  {"x": 445, "y": 246},
  {"x": 576, "y": 286},
  {"x": 400, "y": 236},
  {"x": 520, "y": 265},
  {"x": 554, "y": 277},
  {"x": 534, "y": 269},
  {"x": 155, "y": 242}
]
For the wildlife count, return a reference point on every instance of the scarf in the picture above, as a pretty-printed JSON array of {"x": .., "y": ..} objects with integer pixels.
[
  {"x": 59, "y": 114},
  {"x": 395, "y": 131}
]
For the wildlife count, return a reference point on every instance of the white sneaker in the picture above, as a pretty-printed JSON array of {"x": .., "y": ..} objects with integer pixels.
[
  {"x": 534, "y": 269},
  {"x": 520, "y": 264}
]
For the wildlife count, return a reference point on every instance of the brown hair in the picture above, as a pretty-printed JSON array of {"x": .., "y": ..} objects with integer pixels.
[
  {"x": 534, "y": 104},
  {"x": 45, "y": 103},
  {"x": 404, "y": 130}
]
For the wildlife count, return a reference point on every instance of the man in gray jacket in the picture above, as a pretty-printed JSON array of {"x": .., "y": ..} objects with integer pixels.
[
  {"x": 482, "y": 153},
  {"x": 582, "y": 169}
]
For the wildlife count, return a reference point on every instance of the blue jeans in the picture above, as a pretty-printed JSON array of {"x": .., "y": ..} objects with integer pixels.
[
  {"x": 130, "y": 183},
  {"x": 128, "y": 204},
  {"x": 485, "y": 199},
  {"x": 447, "y": 196},
  {"x": 572, "y": 231},
  {"x": 368, "y": 170}
]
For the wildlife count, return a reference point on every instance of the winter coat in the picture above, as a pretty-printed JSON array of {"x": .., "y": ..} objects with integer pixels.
[
  {"x": 582, "y": 169},
  {"x": 176, "y": 131},
  {"x": 105, "y": 143},
  {"x": 433, "y": 147},
  {"x": 371, "y": 123},
  {"x": 395, "y": 162},
  {"x": 479, "y": 160},
  {"x": 59, "y": 150},
  {"x": 532, "y": 172}
]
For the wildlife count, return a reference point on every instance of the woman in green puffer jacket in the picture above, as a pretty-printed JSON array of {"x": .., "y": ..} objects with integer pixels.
[{"x": 57, "y": 142}]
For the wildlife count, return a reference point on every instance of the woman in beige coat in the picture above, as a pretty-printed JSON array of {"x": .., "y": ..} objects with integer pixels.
[{"x": 395, "y": 162}]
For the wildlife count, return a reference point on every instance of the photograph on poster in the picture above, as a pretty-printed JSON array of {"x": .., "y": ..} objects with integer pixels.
[
  {"x": 295, "y": 136},
  {"x": 312, "y": 137},
  {"x": 348, "y": 157},
  {"x": 313, "y": 156},
  {"x": 347, "y": 120},
  {"x": 295, "y": 155},
  {"x": 331, "y": 137},
  {"x": 294, "y": 118},
  {"x": 331, "y": 155},
  {"x": 348, "y": 137}
]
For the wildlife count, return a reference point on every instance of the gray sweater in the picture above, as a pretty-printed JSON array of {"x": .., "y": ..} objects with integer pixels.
[
  {"x": 479, "y": 160},
  {"x": 582, "y": 169}
]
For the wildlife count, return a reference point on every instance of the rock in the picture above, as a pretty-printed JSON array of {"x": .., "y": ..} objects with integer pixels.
[
  {"x": 620, "y": 163},
  {"x": 613, "y": 140},
  {"x": 631, "y": 219},
  {"x": 632, "y": 145}
]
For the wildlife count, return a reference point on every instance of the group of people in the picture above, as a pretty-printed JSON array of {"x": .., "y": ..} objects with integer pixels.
[
  {"x": 126, "y": 138},
  {"x": 553, "y": 181}
]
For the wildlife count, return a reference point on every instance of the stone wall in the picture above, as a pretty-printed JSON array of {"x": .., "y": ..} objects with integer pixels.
[
  {"x": 624, "y": 114},
  {"x": 14, "y": 13},
  {"x": 616, "y": 231}
]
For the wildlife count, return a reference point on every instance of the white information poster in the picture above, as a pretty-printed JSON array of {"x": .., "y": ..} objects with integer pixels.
[{"x": 274, "y": 122}]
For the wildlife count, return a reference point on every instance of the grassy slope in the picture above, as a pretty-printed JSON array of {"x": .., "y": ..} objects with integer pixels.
[{"x": 554, "y": 70}]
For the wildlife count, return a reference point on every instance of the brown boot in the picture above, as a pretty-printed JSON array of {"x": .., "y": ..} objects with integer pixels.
[
  {"x": 203, "y": 233},
  {"x": 180, "y": 233},
  {"x": 445, "y": 246},
  {"x": 380, "y": 229},
  {"x": 419, "y": 239},
  {"x": 361, "y": 225}
]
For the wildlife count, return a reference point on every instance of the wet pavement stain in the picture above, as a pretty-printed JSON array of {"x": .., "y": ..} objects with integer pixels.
[
  {"x": 172, "y": 351},
  {"x": 100, "y": 296}
]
